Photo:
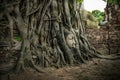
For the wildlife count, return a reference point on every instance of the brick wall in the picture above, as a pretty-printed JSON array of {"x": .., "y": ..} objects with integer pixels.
[{"x": 106, "y": 39}]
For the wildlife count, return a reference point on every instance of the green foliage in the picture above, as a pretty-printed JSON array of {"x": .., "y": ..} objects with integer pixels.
[
  {"x": 98, "y": 14},
  {"x": 80, "y": 1},
  {"x": 114, "y": 1},
  {"x": 105, "y": 0},
  {"x": 18, "y": 38}
]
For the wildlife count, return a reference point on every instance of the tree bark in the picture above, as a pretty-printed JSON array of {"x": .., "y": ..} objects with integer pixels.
[{"x": 52, "y": 32}]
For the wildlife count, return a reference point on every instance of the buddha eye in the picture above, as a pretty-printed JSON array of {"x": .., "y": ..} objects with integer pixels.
[{"x": 72, "y": 37}]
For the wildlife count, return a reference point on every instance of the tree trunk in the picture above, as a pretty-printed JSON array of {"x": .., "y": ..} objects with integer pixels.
[{"x": 51, "y": 32}]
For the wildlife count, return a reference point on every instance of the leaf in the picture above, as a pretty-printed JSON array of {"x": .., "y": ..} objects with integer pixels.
[
  {"x": 80, "y": 1},
  {"x": 98, "y": 14},
  {"x": 105, "y": 0},
  {"x": 18, "y": 38},
  {"x": 114, "y": 1}
]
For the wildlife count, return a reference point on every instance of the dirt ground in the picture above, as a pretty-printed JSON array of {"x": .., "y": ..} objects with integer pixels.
[{"x": 97, "y": 69}]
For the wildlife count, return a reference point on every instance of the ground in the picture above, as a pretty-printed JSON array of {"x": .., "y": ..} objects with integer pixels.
[{"x": 97, "y": 69}]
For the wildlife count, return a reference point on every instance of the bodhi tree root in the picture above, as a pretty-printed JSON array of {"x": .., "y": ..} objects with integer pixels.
[{"x": 52, "y": 33}]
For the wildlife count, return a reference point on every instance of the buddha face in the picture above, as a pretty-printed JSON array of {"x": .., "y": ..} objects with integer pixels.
[{"x": 70, "y": 40}]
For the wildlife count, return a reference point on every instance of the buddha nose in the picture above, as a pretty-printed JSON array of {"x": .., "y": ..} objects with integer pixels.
[{"x": 74, "y": 44}]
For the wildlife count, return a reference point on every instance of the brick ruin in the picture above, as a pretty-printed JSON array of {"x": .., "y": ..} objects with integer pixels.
[{"x": 106, "y": 39}]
